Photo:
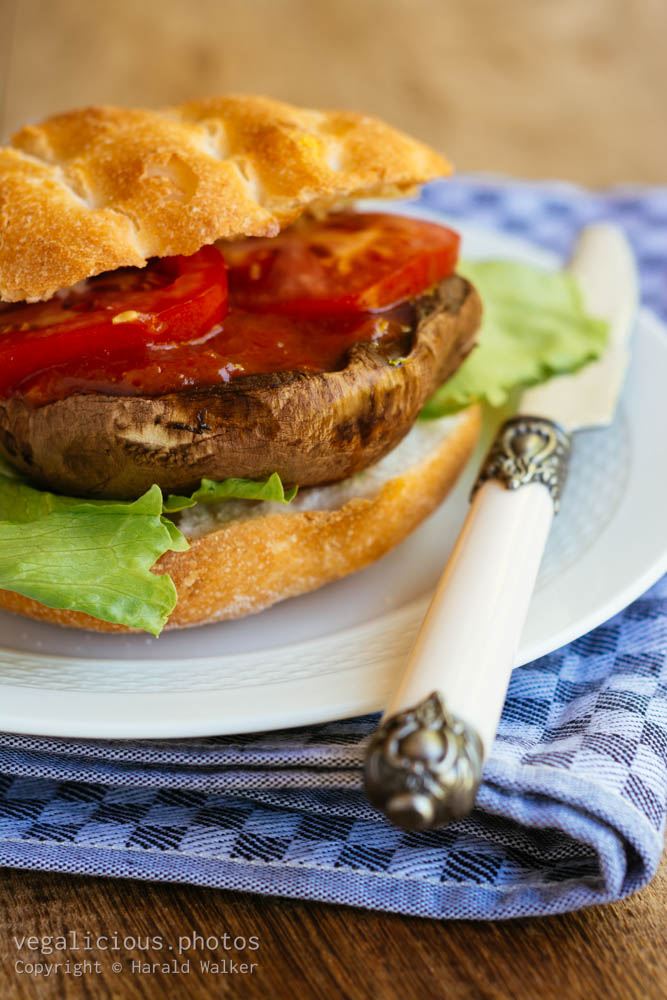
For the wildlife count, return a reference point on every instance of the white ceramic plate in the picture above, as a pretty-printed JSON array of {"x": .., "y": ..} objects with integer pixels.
[{"x": 337, "y": 652}]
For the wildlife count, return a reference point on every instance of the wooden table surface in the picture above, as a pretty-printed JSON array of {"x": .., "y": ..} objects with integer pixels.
[
  {"x": 307, "y": 950},
  {"x": 559, "y": 89}
]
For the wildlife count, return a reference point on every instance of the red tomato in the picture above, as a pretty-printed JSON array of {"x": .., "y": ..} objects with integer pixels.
[
  {"x": 297, "y": 303},
  {"x": 170, "y": 300},
  {"x": 244, "y": 344},
  {"x": 347, "y": 263}
]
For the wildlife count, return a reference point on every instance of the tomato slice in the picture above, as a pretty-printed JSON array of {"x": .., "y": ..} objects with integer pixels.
[
  {"x": 346, "y": 263},
  {"x": 296, "y": 302},
  {"x": 171, "y": 300}
]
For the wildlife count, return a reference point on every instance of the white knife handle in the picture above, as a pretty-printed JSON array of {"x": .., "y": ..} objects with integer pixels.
[
  {"x": 468, "y": 642},
  {"x": 425, "y": 761}
]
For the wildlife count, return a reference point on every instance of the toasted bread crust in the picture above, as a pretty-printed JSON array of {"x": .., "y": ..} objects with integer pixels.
[
  {"x": 251, "y": 563},
  {"x": 92, "y": 190}
]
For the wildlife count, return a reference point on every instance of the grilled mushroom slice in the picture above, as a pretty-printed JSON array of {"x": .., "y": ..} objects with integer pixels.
[{"x": 310, "y": 428}]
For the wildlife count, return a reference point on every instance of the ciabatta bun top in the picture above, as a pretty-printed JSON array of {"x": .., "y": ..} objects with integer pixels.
[{"x": 92, "y": 190}]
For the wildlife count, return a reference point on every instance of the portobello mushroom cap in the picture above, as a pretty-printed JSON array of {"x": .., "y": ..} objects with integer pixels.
[{"x": 309, "y": 428}]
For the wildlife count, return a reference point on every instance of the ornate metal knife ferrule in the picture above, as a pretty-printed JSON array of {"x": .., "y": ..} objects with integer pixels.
[
  {"x": 528, "y": 450},
  {"x": 423, "y": 766}
]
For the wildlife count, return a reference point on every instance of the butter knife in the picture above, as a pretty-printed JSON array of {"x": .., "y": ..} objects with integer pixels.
[{"x": 424, "y": 764}]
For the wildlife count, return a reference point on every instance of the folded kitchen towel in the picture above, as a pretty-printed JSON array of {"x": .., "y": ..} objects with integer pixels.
[{"x": 572, "y": 808}]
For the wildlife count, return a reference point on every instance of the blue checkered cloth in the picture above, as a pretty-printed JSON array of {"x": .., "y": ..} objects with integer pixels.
[{"x": 572, "y": 808}]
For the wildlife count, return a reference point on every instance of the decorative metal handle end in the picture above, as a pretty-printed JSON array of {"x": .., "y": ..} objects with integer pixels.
[
  {"x": 424, "y": 766},
  {"x": 528, "y": 450}
]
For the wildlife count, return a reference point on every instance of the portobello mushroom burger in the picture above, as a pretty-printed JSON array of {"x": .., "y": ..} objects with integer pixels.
[{"x": 195, "y": 324}]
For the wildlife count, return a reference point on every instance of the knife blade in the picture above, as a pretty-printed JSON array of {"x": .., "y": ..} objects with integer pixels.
[
  {"x": 604, "y": 266},
  {"x": 424, "y": 764}
]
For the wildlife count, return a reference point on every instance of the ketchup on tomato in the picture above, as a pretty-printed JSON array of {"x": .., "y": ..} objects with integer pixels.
[
  {"x": 296, "y": 302},
  {"x": 110, "y": 317}
]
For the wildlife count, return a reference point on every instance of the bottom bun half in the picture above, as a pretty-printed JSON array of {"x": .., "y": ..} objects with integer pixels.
[{"x": 246, "y": 556}]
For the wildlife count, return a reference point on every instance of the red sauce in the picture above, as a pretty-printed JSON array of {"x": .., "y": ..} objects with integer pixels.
[
  {"x": 244, "y": 344},
  {"x": 297, "y": 302}
]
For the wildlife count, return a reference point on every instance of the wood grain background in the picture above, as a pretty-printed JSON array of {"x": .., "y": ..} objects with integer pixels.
[{"x": 560, "y": 88}]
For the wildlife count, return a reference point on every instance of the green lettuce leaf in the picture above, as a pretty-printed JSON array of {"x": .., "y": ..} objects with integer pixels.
[
  {"x": 233, "y": 489},
  {"x": 96, "y": 555},
  {"x": 534, "y": 326},
  {"x": 91, "y": 556}
]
